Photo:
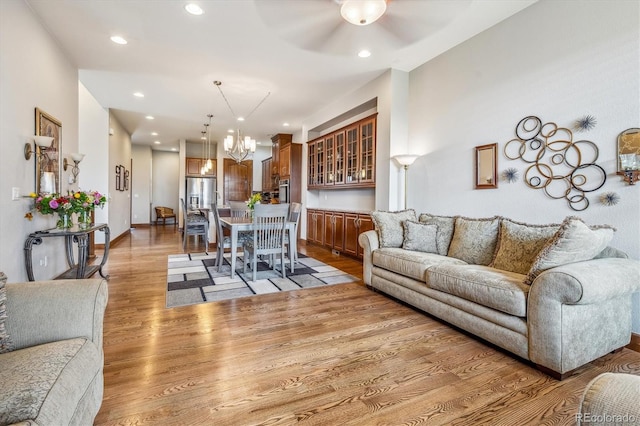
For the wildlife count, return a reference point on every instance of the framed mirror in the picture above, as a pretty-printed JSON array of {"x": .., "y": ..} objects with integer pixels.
[
  {"x": 48, "y": 159},
  {"x": 486, "y": 166},
  {"x": 629, "y": 150}
]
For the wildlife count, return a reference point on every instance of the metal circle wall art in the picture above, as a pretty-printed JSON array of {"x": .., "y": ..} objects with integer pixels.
[{"x": 561, "y": 167}]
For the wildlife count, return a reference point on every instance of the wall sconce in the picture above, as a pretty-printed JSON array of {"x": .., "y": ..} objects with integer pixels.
[
  {"x": 44, "y": 142},
  {"x": 630, "y": 163},
  {"x": 76, "y": 158},
  {"x": 405, "y": 161}
]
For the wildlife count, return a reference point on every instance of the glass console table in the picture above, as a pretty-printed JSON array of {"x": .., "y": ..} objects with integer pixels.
[{"x": 72, "y": 235}]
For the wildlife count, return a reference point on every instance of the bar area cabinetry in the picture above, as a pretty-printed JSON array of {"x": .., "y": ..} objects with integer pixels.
[{"x": 338, "y": 230}]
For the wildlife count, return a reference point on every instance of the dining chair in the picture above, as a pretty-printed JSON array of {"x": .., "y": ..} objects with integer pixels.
[
  {"x": 224, "y": 241},
  {"x": 194, "y": 224},
  {"x": 269, "y": 222},
  {"x": 239, "y": 209},
  {"x": 295, "y": 210}
]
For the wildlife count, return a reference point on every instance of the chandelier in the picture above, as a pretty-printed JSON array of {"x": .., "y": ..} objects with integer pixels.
[
  {"x": 238, "y": 148},
  {"x": 362, "y": 12}
]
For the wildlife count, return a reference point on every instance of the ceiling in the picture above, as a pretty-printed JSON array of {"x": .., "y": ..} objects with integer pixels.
[{"x": 299, "y": 54}]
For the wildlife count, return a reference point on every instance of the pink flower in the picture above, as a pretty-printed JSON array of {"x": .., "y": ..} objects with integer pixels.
[{"x": 54, "y": 204}]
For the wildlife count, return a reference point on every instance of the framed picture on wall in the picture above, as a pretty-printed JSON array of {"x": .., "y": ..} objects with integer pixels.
[{"x": 48, "y": 161}]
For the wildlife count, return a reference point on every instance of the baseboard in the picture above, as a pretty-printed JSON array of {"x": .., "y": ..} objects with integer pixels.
[
  {"x": 115, "y": 241},
  {"x": 634, "y": 345},
  {"x": 141, "y": 225}
]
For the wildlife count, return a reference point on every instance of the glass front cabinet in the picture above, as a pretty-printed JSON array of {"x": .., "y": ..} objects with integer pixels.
[{"x": 345, "y": 158}]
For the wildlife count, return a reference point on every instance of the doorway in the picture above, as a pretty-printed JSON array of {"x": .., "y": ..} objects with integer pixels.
[{"x": 238, "y": 180}]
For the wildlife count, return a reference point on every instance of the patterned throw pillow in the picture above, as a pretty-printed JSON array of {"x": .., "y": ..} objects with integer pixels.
[
  {"x": 389, "y": 226},
  {"x": 574, "y": 242},
  {"x": 5, "y": 341},
  {"x": 474, "y": 240},
  {"x": 519, "y": 244},
  {"x": 420, "y": 237},
  {"x": 445, "y": 230}
]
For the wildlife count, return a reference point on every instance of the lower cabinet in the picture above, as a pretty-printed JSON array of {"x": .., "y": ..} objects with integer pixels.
[
  {"x": 338, "y": 230},
  {"x": 354, "y": 225}
]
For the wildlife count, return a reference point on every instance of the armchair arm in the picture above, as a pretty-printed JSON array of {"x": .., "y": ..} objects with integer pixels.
[
  {"x": 369, "y": 242},
  {"x": 45, "y": 311},
  {"x": 592, "y": 281}
]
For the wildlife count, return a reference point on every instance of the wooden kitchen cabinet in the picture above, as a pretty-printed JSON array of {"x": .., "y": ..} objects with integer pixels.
[
  {"x": 315, "y": 226},
  {"x": 354, "y": 225},
  {"x": 267, "y": 181},
  {"x": 194, "y": 165},
  {"x": 345, "y": 158},
  {"x": 334, "y": 230}
]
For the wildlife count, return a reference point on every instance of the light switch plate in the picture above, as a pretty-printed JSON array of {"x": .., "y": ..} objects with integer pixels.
[{"x": 15, "y": 193}]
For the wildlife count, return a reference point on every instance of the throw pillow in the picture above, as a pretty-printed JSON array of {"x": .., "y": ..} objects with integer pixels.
[
  {"x": 389, "y": 226},
  {"x": 519, "y": 244},
  {"x": 445, "y": 226},
  {"x": 474, "y": 240},
  {"x": 5, "y": 341},
  {"x": 573, "y": 242},
  {"x": 420, "y": 237}
]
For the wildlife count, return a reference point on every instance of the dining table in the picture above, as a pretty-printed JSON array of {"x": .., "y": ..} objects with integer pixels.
[{"x": 235, "y": 225}]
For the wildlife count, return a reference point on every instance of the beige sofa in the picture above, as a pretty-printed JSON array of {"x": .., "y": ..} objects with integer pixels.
[
  {"x": 556, "y": 295},
  {"x": 52, "y": 374},
  {"x": 611, "y": 399}
]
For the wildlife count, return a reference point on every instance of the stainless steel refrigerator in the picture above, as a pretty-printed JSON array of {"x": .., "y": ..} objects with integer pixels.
[{"x": 200, "y": 192}]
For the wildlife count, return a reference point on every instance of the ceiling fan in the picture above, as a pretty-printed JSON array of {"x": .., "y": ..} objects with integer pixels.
[{"x": 342, "y": 27}]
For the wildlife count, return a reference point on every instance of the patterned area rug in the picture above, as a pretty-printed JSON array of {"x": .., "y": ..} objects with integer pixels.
[{"x": 192, "y": 278}]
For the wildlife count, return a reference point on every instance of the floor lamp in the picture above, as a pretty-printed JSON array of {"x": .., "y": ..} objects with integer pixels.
[{"x": 405, "y": 161}]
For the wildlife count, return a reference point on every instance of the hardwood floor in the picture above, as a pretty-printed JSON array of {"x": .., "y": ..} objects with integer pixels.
[{"x": 341, "y": 354}]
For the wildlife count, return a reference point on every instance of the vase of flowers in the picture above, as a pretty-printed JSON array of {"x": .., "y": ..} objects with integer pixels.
[
  {"x": 85, "y": 203},
  {"x": 64, "y": 219},
  {"x": 82, "y": 203},
  {"x": 251, "y": 203}
]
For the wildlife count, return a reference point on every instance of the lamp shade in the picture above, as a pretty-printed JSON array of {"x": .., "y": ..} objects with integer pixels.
[
  {"x": 362, "y": 12},
  {"x": 77, "y": 157},
  {"x": 43, "y": 141},
  {"x": 405, "y": 159}
]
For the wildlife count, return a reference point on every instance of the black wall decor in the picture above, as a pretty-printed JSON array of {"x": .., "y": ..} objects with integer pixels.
[
  {"x": 122, "y": 178},
  {"x": 561, "y": 167}
]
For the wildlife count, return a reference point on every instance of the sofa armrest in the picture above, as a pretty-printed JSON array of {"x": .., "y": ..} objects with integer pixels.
[
  {"x": 369, "y": 242},
  {"x": 588, "y": 282},
  {"x": 610, "y": 398},
  {"x": 46, "y": 311}
]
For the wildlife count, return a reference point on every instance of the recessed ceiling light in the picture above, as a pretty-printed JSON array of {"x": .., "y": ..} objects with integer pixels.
[
  {"x": 231, "y": 131},
  {"x": 173, "y": 149},
  {"x": 285, "y": 124},
  {"x": 194, "y": 9},
  {"x": 259, "y": 143},
  {"x": 240, "y": 118},
  {"x": 150, "y": 117},
  {"x": 118, "y": 40},
  {"x": 202, "y": 138},
  {"x": 154, "y": 133},
  {"x": 364, "y": 53},
  {"x": 157, "y": 142},
  {"x": 138, "y": 95}
]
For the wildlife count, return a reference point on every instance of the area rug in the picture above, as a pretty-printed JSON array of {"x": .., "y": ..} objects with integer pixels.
[{"x": 193, "y": 278}]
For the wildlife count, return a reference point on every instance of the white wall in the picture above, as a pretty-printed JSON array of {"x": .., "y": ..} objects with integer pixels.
[
  {"x": 262, "y": 153},
  {"x": 556, "y": 60},
  {"x": 25, "y": 83},
  {"x": 119, "y": 204},
  {"x": 141, "y": 212},
  {"x": 93, "y": 129},
  {"x": 166, "y": 179}
]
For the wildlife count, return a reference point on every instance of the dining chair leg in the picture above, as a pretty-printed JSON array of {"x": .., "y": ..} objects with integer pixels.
[
  {"x": 254, "y": 265},
  {"x": 284, "y": 272}
]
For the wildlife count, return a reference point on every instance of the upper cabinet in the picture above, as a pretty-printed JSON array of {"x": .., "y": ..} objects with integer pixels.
[
  {"x": 194, "y": 165},
  {"x": 345, "y": 158}
]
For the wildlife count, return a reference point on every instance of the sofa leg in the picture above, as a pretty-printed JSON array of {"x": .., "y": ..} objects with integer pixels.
[
  {"x": 554, "y": 374},
  {"x": 615, "y": 351}
]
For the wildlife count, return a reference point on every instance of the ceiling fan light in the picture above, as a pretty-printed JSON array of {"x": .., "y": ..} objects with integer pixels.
[{"x": 362, "y": 12}]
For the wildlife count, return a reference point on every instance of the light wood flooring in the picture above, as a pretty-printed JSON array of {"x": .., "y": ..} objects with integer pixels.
[{"x": 337, "y": 355}]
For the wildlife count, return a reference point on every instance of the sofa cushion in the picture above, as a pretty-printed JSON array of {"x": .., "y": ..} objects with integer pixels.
[
  {"x": 6, "y": 344},
  {"x": 486, "y": 286},
  {"x": 519, "y": 244},
  {"x": 573, "y": 242},
  {"x": 389, "y": 226},
  {"x": 412, "y": 264},
  {"x": 44, "y": 383},
  {"x": 445, "y": 226},
  {"x": 474, "y": 240},
  {"x": 419, "y": 237}
]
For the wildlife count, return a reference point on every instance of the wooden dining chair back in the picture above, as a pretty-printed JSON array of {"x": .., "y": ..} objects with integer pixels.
[
  {"x": 269, "y": 222},
  {"x": 239, "y": 209},
  {"x": 295, "y": 210},
  {"x": 194, "y": 224},
  {"x": 164, "y": 213}
]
